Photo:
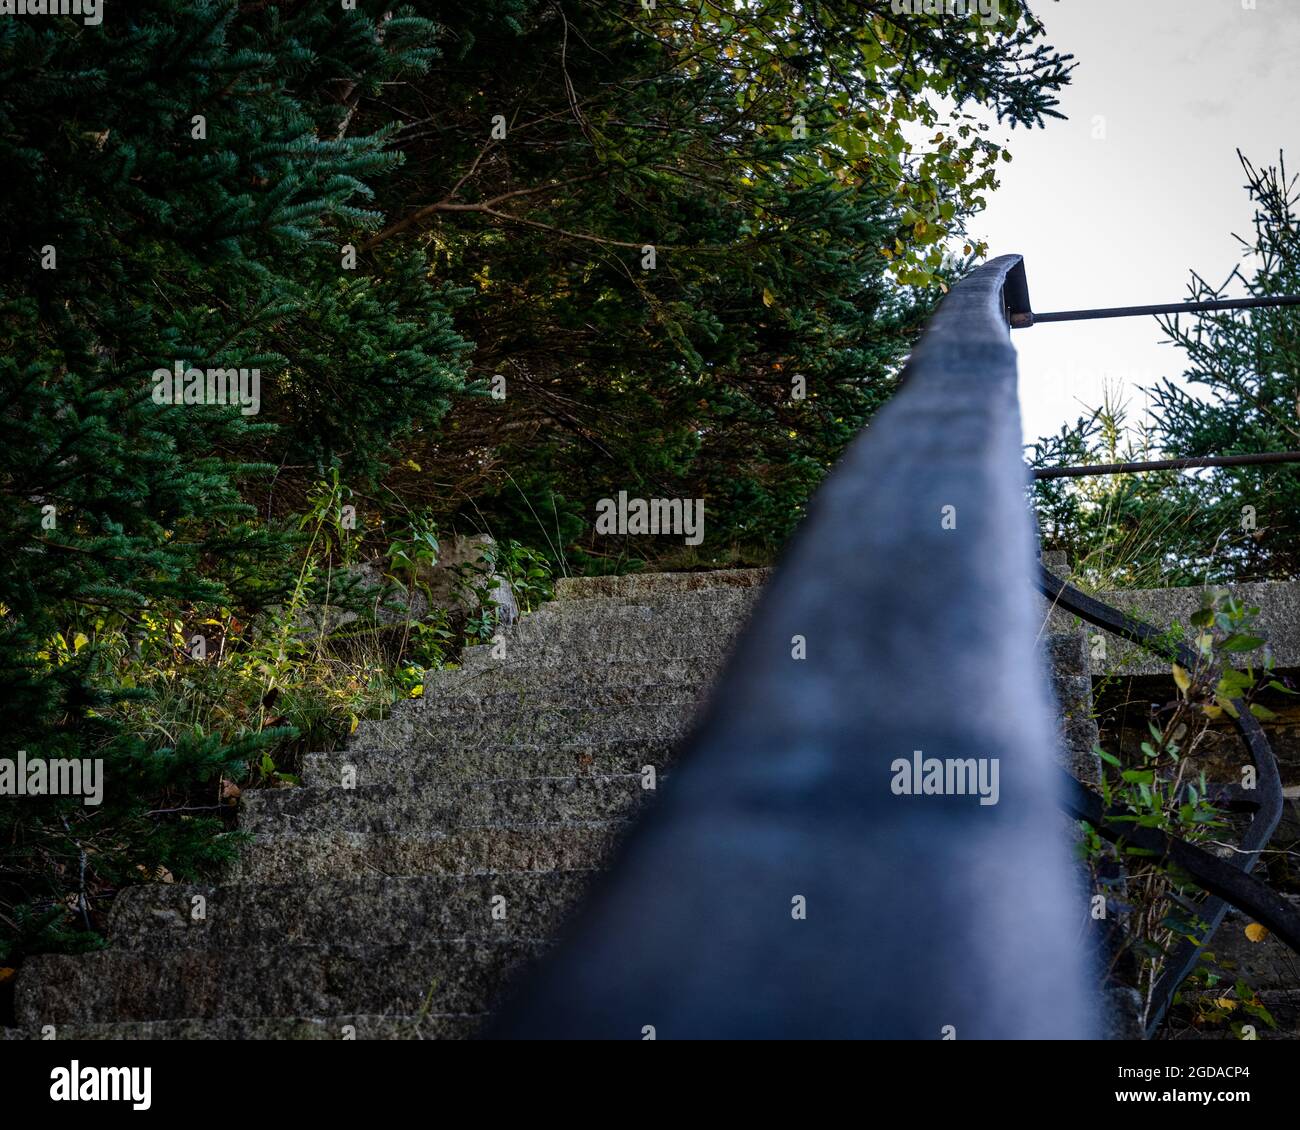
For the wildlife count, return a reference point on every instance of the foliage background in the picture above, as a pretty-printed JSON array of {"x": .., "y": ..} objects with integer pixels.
[{"x": 189, "y": 182}]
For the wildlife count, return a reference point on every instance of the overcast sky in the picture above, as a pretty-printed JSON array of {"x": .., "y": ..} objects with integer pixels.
[{"x": 1120, "y": 220}]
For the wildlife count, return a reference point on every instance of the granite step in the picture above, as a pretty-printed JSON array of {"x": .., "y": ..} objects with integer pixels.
[
  {"x": 416, "y": 1026},
  {"x": 415, "y": 767},
  {"x": 640, "y": 584},
  {"x": 454, "y": 682},
  {"x": 441, "y": 807},
  {"x": 472, "y": 730},
  {"x": 650, "y": 647},
  {"x": 383, "y": 910},
  {"x": 309, "y": 856},
  {"x": 571, "y": 696},
  {"x": 267, "y": 981}
]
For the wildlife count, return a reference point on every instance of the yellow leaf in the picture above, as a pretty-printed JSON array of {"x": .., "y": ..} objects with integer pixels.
[
  {"x": 355, "y": 722},
  {"x": 1226, "y": 705},
  {"x": 1214, "y": 712},
  {"x": 79, "y": 641},
  {"x": 1256, "y": 933},
  {"x": 1226, "y": 1003},
  {"x": 5, "y": 974},
  {"x": 417, "y": 690},
  {"x": 1182, "y": 678},
  {"x": 768, "y": 297},
  {"x": 413, "y": 464}
]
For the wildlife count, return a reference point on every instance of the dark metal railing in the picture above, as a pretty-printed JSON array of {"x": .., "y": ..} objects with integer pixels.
[
  {"x": 1023, "y": 319},
  {"x": 782, "y": 886}
]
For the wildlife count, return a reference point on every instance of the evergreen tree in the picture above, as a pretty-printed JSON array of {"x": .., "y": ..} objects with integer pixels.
[
  {"x": 685, "y": 229},
  {"x": 180, "y": 181},
  {"x": 695, "y": 244},
  {"x": 1240, "y": 395}
]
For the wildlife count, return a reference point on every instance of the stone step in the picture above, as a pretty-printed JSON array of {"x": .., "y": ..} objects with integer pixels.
[
  {"x": 560, "y": 725},
  {"x": 649, "y": 647},
  {"x": 639, "y": 584},
  {"x": 434, "y": 808},
  {"x": 374, "y": 910},
  {"x": 309, "y": 856},
  {"x": 711, "y": 611},
  {"x": 730, "y": 601},
  {"x": 430, "y": 1026},
  {"x": 453, "y": 682},
  {"x": 667, "y": 629},
  {"x": 116, "y": 985},
  {"x": 507, "y": 703},
  {"x": 412, "y": 768}
]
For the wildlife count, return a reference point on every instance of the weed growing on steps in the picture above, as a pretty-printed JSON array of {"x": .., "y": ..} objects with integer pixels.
[{"x": 200, "y": 702}]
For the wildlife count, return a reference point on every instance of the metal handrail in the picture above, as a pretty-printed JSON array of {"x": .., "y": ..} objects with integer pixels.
[{"x": 780, "y": 887}]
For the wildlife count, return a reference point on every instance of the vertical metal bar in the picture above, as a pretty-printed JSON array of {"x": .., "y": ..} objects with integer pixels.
[{"x": 781, "y": 887}]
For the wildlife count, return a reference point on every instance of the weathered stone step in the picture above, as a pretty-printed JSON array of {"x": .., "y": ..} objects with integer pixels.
[
  {"x": 452, "y": 682},
  {"x": 372, "y": 910},
  {"x": 735, "y": 601},
  {"x": 637, "y": 584},
  {"x": 309, "y": 856},
  {"x": 116, "y": 985},
  {"x": 706, "y": 610},
  {"x": 432, "y": 808},
  {"x": 649, "y": 647},
  {"x": 431, "y": 1026},
  {"x": 573, "y": 696},
  {"x": 470, "y": 730},
  {"x": 668, "y": 630},
  {"x": 411, "y": 768}
]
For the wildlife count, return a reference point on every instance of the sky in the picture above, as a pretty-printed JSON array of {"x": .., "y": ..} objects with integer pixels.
[{"x": 1142, "y": 184}]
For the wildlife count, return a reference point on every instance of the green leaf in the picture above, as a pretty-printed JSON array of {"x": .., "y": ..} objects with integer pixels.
[{"x": 1241, "y": 643}]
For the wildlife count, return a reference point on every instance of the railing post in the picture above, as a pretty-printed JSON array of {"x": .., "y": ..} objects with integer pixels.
[{"x": 783, "y": 886}]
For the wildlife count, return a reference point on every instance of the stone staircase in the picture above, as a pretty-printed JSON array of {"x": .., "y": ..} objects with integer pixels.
[{"x": 394, "y": 893}]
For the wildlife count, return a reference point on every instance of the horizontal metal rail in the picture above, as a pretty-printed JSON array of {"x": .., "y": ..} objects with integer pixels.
[
  {"x": 1261, "y": 459},
  {"x": 1023, "y": 319},
  {"x": 782, "y": 885}
]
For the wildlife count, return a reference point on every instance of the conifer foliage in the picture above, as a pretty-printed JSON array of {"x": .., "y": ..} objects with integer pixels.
[
  {"x": 488, "y": 261},
  {"x": 1239, "y": 394},
  {"x": 179, "y": 182}
]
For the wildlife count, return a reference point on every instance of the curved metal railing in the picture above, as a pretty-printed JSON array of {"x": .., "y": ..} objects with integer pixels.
[{"x": 1229, "y": 883}]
